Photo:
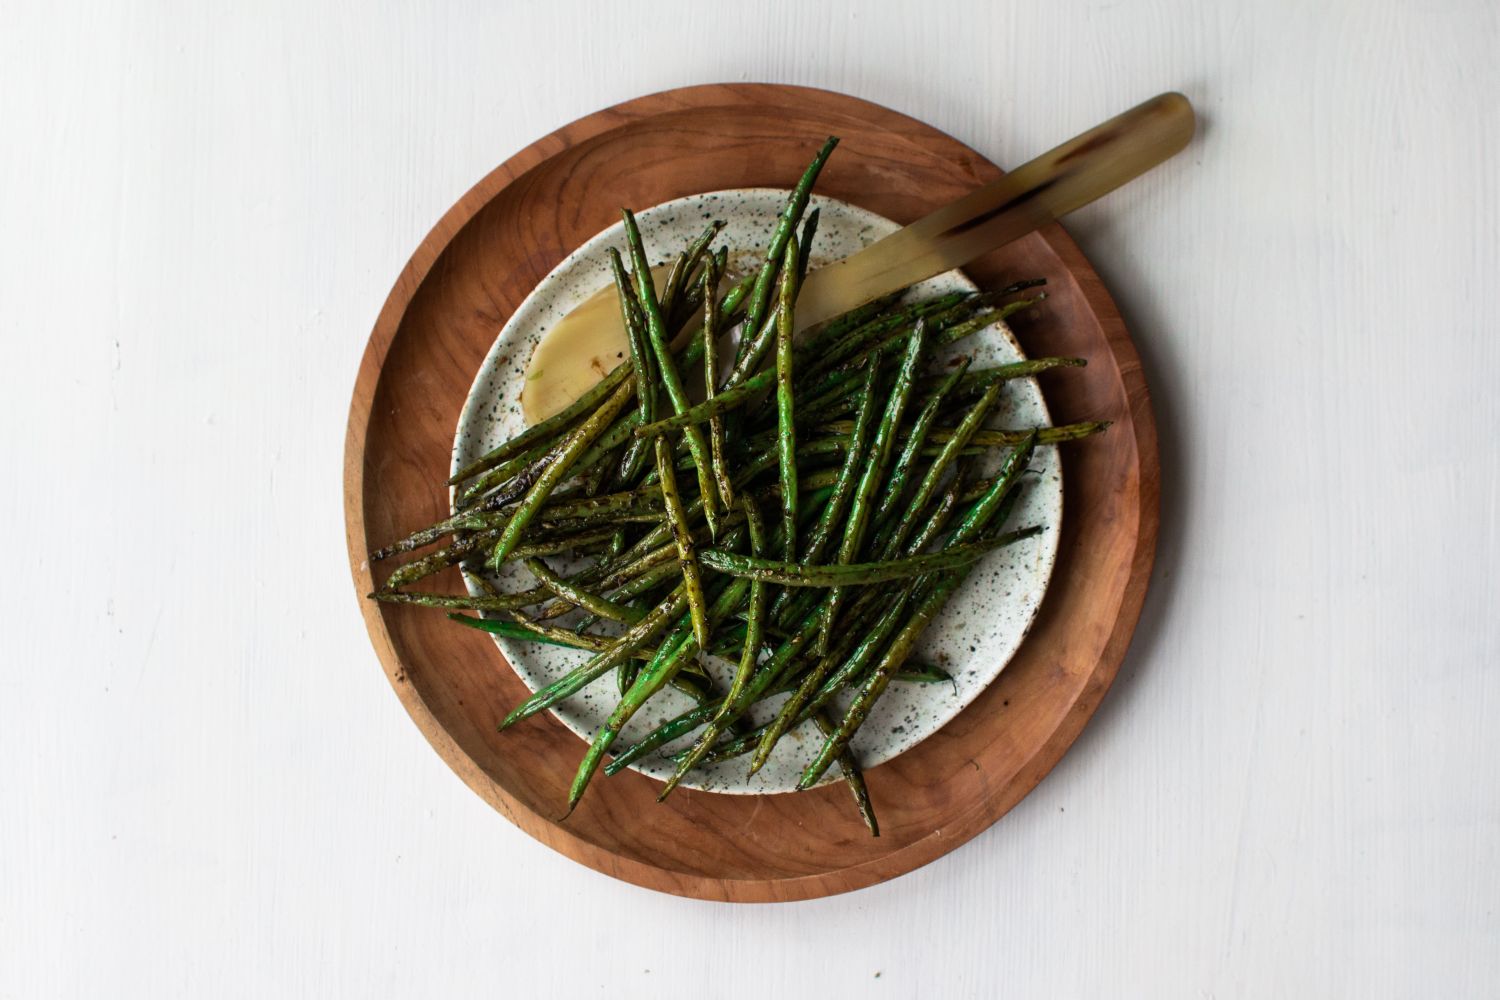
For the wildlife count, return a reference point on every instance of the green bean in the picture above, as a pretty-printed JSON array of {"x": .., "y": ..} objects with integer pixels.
[
  {"x": 805, "y": 242},
  {"x": 885, "y": 624},
  {"x": 854, "y": 450},
  {"x": 562, "y": 636},
  {"x": 633, "y": 460},
  {"x": 896, "y": 324},
  {"x": 549, "y": 528},
  {"x": 928, "y": 487},
  {"x": 439, "y": 559},
  {"x": 537, "y": 540},
  {"x": 828, "y": 406},
  {"x": 593, "y": 480},
  {"x": 845, "y": 644},
  {"x": 764, "y": 677},
  {"x": 626, "y": 672},
  {"x": 662, "y": 533},
  {"x": 871, "y": 645},
  {"x": 806, "y": 430},
  {"x": 504, "y": 602},
  {"x": 1044, "y": 435},
  {"x": 640, "y": 358},
  {"x": 733, "y": 298},
  {"x": 896, "y": 321},
  {"x": 618, "y": 433},
  {"x": 656, "y": 333},
  {"x": 786, "y": 429},
  {"x": 516, "y": 486},
  {"x": 643, "y": 575},
  {"x": 728, "y": 750},
  {"x": 682, "y": 272},
  {"x": 572, "y": 514},
  {"x": 641, "y": 500},
  {"x": 925, "y": 609},
  {"x": 531, "y": 633},
  {"x": 691, "y": 351},
  {"x": 584, "y": 674},
  {"x": 915, "y": 438},
  {"x": 833, "y": 410},
  {"x": 479, "y": 580},
  {"x": 795, "y": 710},
  {"x": 840, "y": 378},
  {"x": 849, "y": 768},
  {"x": 1013, "y": 288},
  {"x": 675, "y": 275},
  {"x": 880, "y": 452},
  {"x": 661, "y": 555},
  {"x": 687, "y": 560},
  {"x": 788, "y": 713},
  {"x": 566, "y": 543},
  {"x": 682, "y": 646},
  {"x": 836, "y": 389},
  {"x": 760, "y": 296},
  {"x": 710, "y": 409},
  {"x": 653, "y": 577},
  {"x": 816, "y": 341},
  {"x": 851, "y": 663},
  {"x": 999, "y": 495},
  {"x": 567, "y": 454},
  {"x": 980, "y": 379},
  {"x": 593, "y": 603},
  {"x": 839, "y": 429},
  {"x": 922, "y": 673},
  {"x": 844, "y": 485},
  {"x": 910, "y": 672},
  {"x": 716, "y": 444},
  {"x": 980, "y": 321},
  {"x": 649, "y": 542},
  {"x": 686, "y": 309},
  {"x": 762, "y": 459},
  {"x": 668, "y": 731},
  {"x": 701, "y": 253},
  {"x": 875, "y": 684},
  {"x": 955, "y": 324},
  {"x": 947, "y": 503},
  {"x": 791, "y": 574},
  {"x": 819, "y": 479},
  {"x": 662, "y": 735},
  {"x": 501, "y": 474},
  {"x": 570, "y": 505},
  {"x": 692, "y": 682},
  {"x": 755, "y": 622},
  {"x": 550, "y": 428}
]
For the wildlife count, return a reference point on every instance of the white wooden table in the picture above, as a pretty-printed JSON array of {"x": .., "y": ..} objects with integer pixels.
[{"x": 210, "y": 790}]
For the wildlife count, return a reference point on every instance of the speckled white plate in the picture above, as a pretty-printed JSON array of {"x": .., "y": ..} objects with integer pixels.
[{"x": 983, "y": 624}]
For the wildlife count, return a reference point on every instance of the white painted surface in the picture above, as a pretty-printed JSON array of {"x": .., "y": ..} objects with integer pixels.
[{"x": 208, "y": 788}]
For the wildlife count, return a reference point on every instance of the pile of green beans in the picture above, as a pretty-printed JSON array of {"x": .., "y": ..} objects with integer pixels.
[{"x": 806, "y": 520}]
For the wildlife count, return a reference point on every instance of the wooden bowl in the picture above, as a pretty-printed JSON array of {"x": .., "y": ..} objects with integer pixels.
[{"x": 476, "y": 266}]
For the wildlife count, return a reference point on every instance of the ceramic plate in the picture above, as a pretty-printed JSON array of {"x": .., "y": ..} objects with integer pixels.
[{"x": 982, "y": 625}]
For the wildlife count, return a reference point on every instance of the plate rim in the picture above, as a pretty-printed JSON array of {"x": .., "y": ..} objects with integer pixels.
[{"x": 981, "y": 812}]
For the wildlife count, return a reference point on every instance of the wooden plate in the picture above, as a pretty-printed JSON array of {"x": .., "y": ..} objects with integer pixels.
[{"x": 477, "y": 265}]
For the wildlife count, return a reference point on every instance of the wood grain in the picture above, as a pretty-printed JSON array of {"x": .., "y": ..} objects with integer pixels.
[{"x": 477, "y": 265}]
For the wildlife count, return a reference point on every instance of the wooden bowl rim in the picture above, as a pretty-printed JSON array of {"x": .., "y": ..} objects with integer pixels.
[{"x": 983, "y": 812}]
